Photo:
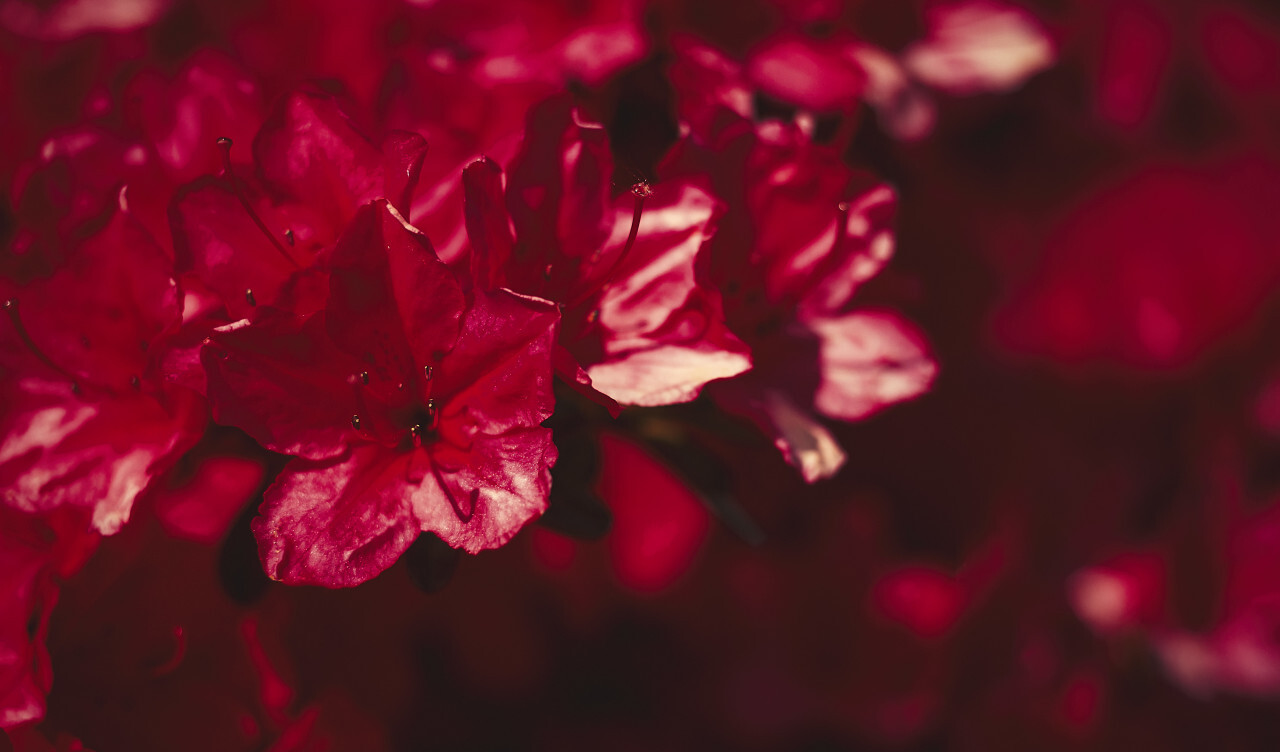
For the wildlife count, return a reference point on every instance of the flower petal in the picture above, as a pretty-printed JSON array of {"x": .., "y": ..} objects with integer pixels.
[
  {"x": 391, "y": 302},
  {"x": 498, "y": 378},
  {"x": 284, "y": 383},
  {"x": 339, "y": 523},
  {"x": 869, "y": 360},
  {"x": 309, "y": 150},
  {"x": 485, "y": 495}
]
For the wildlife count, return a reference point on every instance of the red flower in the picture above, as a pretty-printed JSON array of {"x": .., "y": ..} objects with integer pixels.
[
  {"x": 252, "y": 243},
  {"x": 803, "y": 234},
  {"x": 406, "y": 409},
  {"x": 621, "y": 268},
  {"x": 89, "y": 423}
]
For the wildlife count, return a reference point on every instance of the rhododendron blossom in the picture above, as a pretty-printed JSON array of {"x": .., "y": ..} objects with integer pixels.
[{"x": 407, "y": 408}]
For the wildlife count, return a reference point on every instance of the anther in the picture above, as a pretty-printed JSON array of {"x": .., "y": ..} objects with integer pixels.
[
  {"x": 248, "y": 296},
  {"x": 426, "y": 373},
  {"x": 433, "y": 414},
  {"x": 364, "y": 377},
  {"x": 288, "y": 237},
  {"x": 416, "y": 431},
  {"x": 355, "y": 422}
]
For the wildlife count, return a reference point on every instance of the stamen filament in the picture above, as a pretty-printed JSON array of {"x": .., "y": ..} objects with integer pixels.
[
  {"x": 475, "y": 493},
  {"x": 11, "y": 308},
  {"x": 641, "y": 191},
  {"x": 225, "y": 144}
]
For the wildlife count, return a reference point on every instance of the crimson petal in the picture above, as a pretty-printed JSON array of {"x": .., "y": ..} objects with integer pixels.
[
  {"x": 339, "y": 523},
  {"x": 392, "y": 302}
]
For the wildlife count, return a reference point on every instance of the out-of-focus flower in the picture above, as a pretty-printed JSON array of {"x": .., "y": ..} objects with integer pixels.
[
  {"x": 802, "y": 234},
  {"x": 978, "y": 46},
  {"x": 1153, "y": 271},
  {"x": 65, "y": 19},
  {"x": 91, "y": 421}
]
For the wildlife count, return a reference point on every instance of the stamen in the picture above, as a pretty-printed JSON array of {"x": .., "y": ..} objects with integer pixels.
[
  {"x": 830, "y": 264},
  {"x": 11, "y": 308},
  {"x": 364, "y": 378},
  {"x": 842, "y": 226},
  {"x": 225, "y": 144},
  {"x": 641, "y": 191},
  {"x": 288, "y": 237},
  {"x": 433, "y": 415},
  {"x": 355, "y": 422},
  {"x": 416, "y": 431},
  {"x": 248, "y": 296}
]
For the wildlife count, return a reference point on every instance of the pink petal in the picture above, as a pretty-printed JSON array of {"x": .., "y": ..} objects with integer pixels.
[
  {"x": 403, "y": 153},
  {"x": 391, "y": 302},
  {"x": 488, "y": 224},
  {"x": 340, "y": 523},
  {"x": 805, "y": 443},
  {"x": 284, "y": 383},
  {"x": 559, "y": 200},
  {"x": 216, "y": 239},
  {"x": 979, "y": 46},
  {"x": 811, "y": 73},
  {"x": 490, "y": 491},
  {"x": 98, "y": 316},
  {"x": 869, "y": 361},
  {"x": 665, "y": 374},
  {"x": 211, "y": 97},
  {"x": 662, "y": 338},
  {"x": 798, "y": 195},
  {"x": 60, "y": 449},
  {"x": 498, "y": 378},
  {"x": 310, "y": 151}
]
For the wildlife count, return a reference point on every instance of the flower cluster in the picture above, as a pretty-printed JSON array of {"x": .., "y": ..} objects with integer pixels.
[
  {"x": 378, "y": 279},
  {"x": 899, "y": 370}
]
